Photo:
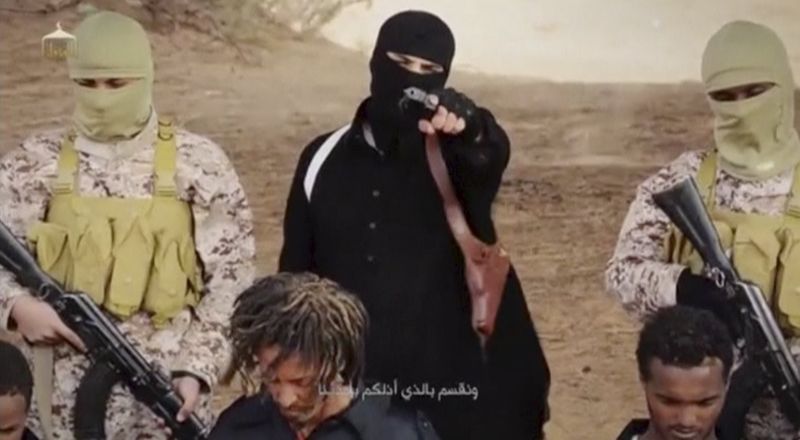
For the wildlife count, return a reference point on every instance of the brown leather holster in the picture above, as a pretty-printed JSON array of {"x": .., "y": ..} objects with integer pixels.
[{"x": 485, "y": 266}]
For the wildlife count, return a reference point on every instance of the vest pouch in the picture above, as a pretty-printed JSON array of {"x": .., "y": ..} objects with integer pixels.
[
  {"x": 674, "y": 245},
  {"x": 755, "y": 256},
  {"x": 787, "y": 286},
  {"x": 91, "y": 241},
  {"x": 133, "y": 256},
  {"x": 684, "y": 253},
  {"x": 681, "y": 251},
  {"x": 53, "y": 254},
  {"x": 189, "y": 261},
  {"x": 170, "y": 290}
]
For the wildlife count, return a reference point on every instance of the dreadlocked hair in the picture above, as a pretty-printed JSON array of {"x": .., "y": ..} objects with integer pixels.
[{"x": 301, "y": 314}]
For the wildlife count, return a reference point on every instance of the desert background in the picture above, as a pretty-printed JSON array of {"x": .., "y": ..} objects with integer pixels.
[{"x": 594, "y": 95}]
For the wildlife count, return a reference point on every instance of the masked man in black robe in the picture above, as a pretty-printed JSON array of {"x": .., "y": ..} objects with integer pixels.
[{"x": 364, "y": 210}]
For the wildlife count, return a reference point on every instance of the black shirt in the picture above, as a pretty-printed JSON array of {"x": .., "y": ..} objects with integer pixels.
[
  {"x": 368, "y": 418},
  {"x": 637, "y": 427},
  {"x": 375, "y": 223}
]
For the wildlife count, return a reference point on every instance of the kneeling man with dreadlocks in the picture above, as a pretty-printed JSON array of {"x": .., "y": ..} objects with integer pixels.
[{"x": 304, "y": 336}]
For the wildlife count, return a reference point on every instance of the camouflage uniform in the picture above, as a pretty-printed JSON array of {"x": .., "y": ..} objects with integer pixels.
[
  {"x": 639, "y": 275},
  {"x": 194, "y": 340}
]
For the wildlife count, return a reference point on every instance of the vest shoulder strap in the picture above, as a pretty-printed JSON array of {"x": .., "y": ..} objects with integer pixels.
[
  {"x": 707, "y": 176},
  {"x": 793, "y": 203},
  {"x": 67, "y": 167},
  {"x": 165, "y": 157}
]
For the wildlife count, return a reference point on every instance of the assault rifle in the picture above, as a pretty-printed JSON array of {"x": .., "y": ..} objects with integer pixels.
[
  {"x": 112, "y": 356},
  {"x": 763, "y": 348}
]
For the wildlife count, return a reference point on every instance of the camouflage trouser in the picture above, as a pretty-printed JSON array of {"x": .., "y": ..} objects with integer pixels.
[{"x": 765, "y": 421}]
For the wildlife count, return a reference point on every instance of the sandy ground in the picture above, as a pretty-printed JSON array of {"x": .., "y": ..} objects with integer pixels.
[{"x": 578, "y": 152}]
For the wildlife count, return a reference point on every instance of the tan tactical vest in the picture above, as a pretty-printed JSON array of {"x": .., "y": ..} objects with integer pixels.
[
  {"x": 128, "y": 254},
  {"x": 764, "y": 249}
]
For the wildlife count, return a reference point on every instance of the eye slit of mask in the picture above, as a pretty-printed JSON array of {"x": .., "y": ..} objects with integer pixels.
[
  {"x": 415, "y": 64},
  {"x": 740, "y": 93},
  {"x": 105, "y": 83}
]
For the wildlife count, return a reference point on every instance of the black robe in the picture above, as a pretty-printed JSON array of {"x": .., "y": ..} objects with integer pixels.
[{"x": 375, "y": 224}]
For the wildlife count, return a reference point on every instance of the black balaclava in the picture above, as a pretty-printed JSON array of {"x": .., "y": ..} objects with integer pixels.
[{"x": 414, "y": 33}]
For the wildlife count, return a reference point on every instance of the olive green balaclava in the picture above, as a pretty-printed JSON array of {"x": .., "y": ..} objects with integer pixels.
[
  {"x": 755, "y": 137},
  {"x": 112, "y": 45}
]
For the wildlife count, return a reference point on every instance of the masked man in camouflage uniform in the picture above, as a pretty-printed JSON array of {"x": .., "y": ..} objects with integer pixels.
[
  {"x": 751, "y": 187},
  {"x": 150, "y": 221}
]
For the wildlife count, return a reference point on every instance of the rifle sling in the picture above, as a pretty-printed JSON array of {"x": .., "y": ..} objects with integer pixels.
[{"x": 43, "y": 387}]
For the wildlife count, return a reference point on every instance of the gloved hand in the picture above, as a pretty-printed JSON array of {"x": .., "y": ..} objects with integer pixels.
[
  {"x": 700, "y": 292},
  {"x": 456, "y": 114}
]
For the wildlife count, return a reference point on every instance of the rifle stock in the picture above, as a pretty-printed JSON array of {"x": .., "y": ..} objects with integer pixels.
[
  {"x": 684, "y": 207},
  {"x": 104, "y": 342}
]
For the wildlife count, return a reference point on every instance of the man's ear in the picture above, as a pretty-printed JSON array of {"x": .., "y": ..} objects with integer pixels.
[
  {"x": 728, "y": 380},
  {"x": 643, "y": 385}
]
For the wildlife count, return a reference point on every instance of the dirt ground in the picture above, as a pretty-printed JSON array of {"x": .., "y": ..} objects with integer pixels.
[{"x": 578, "y": 153}]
